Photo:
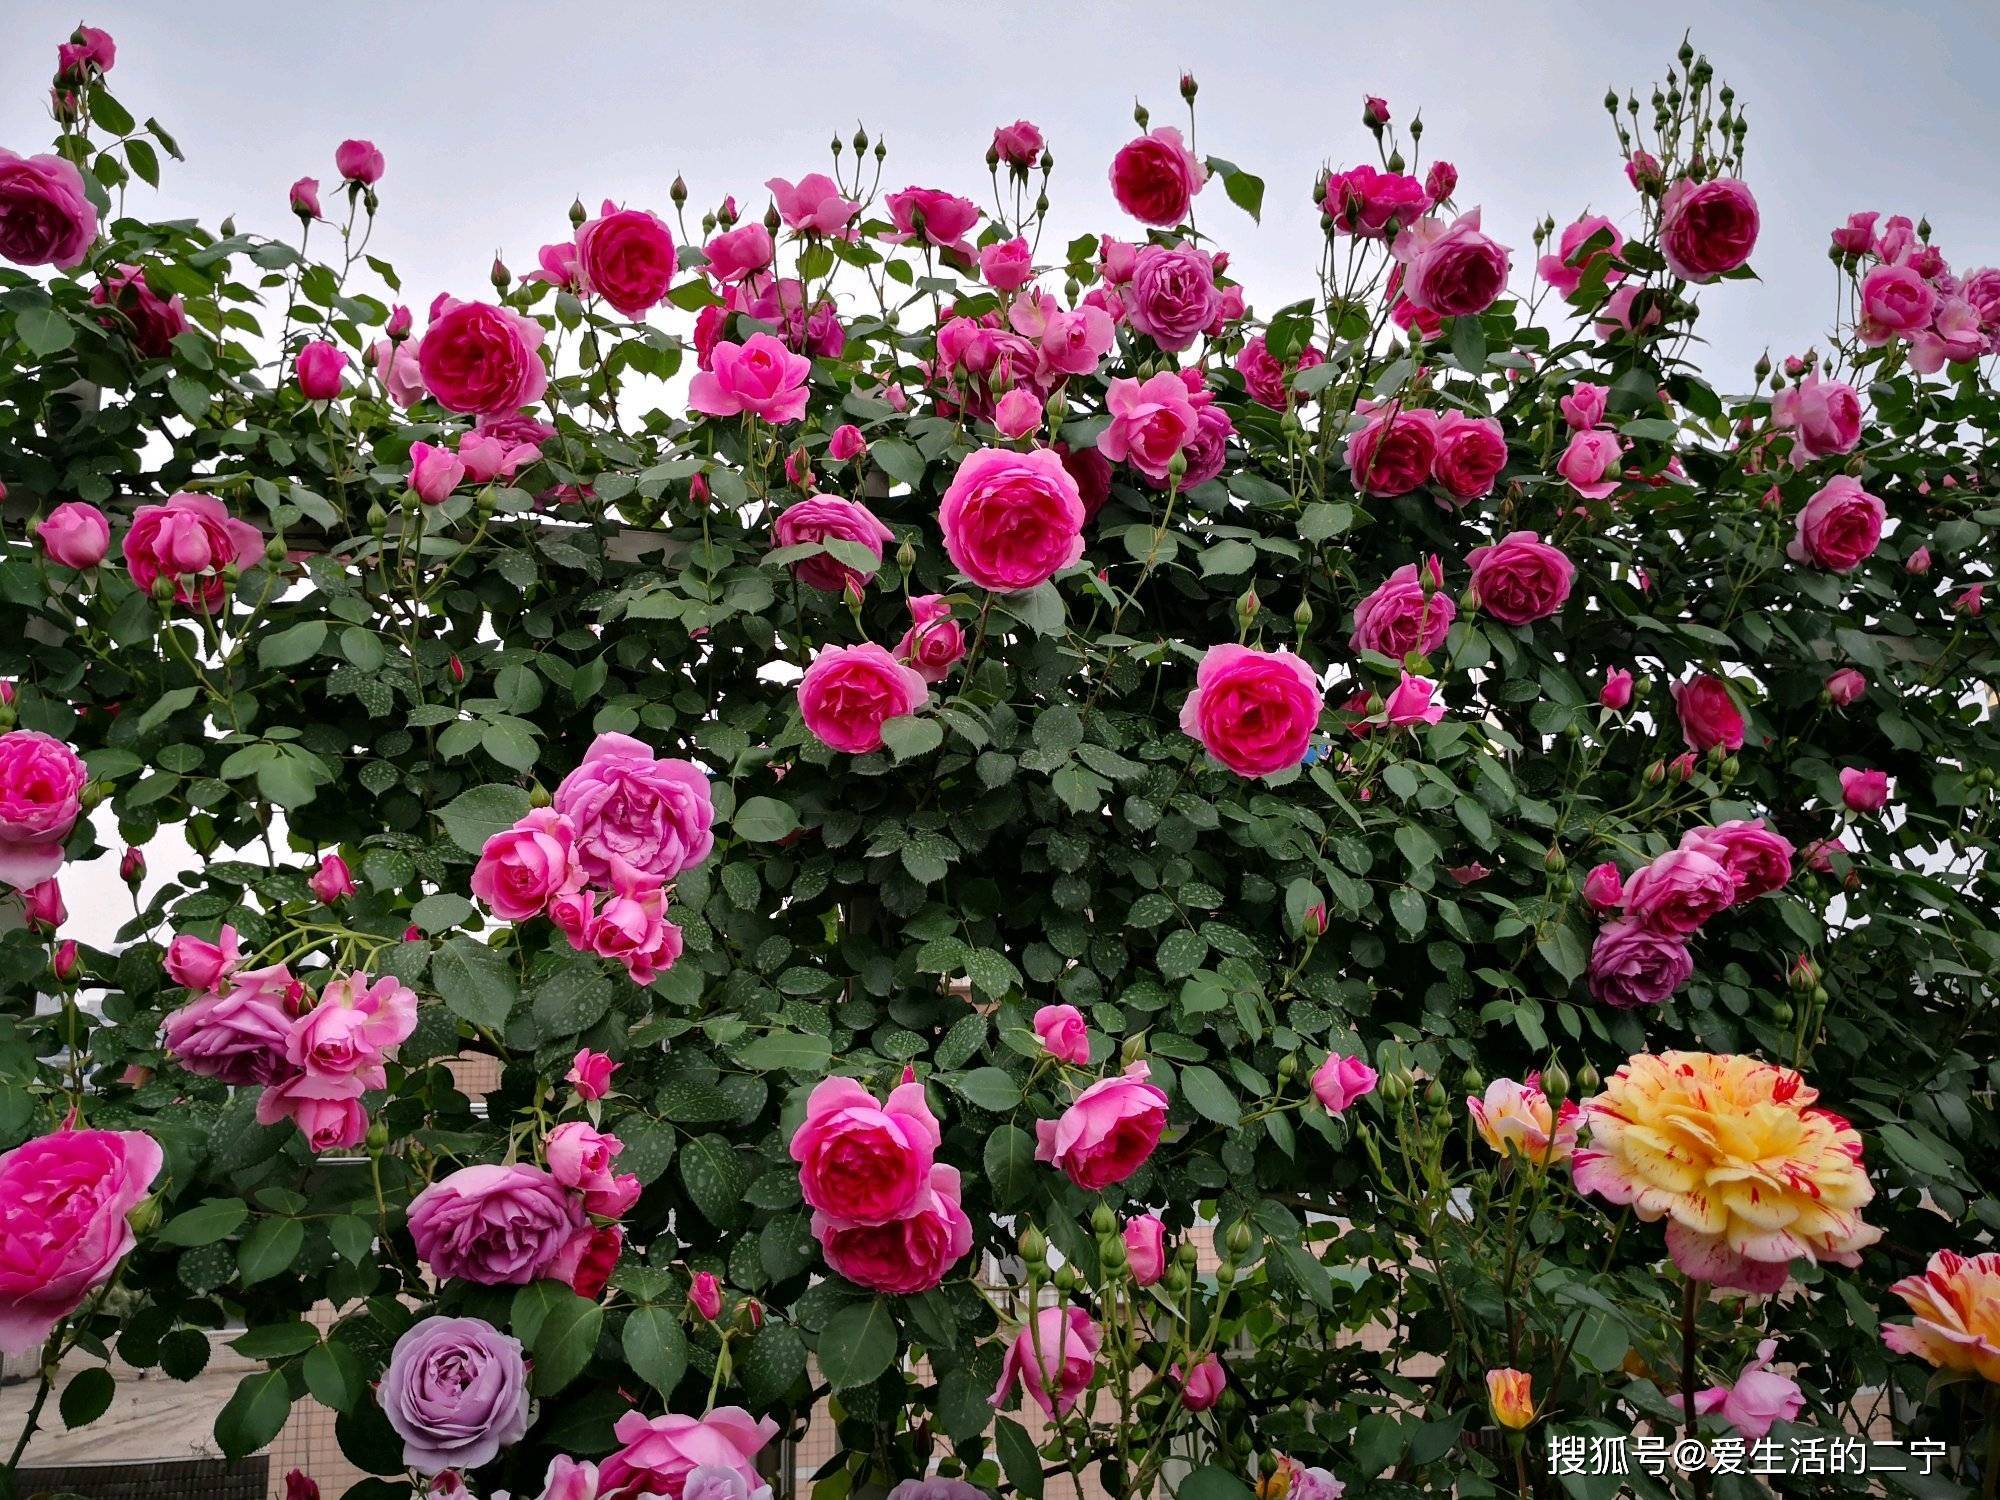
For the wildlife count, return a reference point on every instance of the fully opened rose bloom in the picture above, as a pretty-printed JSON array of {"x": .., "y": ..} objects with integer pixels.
[
  {"x": 521, "y": 869},
  {"x": 494, "y": 1225},
  {"x": 1052, "y": 1358},
  {"x": 1678, "y": 892},
  {"x": 64, "y": 1199},
  {"x": 823, "y": 518},
  {"x": 1151, "y": 421},
  {"x": 74, "y": 535},
  {"x": 1371, "y": 204},
  {"x": 860, "y": 1161},
  {"x": 1864, "y": 791},
  {"x": 1759, "y": 1397},
  {"x": 1107, "y": 1134},
  {"x": 663, "y": 1455},
  {"x": 626, "y": 256},
  {"x": 237, "y": 1034},
  {"x": 1154, "y": 178},
  {"x": 1823, "y": 417},
  {"x": 1521, "y": 578},
  {"x": 1895, "y": 303},
  {"x": 1254, "y": 711},
  {"x": 1707, "y": 229},
  {"x": 41, "y": 793},
  {"x": 636, "y": 812},
  {"x": 1340, "y": 1080},
  {"x": 849, "y": 692},
  {"x": 480, "y": 359},
  {"x": 1593, "y": 462},
  {"x": 759, "y": 376},
  {"x": 1735, "y": 1154},
  {"x": 1518, "y": 1118},
  {"x": 46, "y": 218},
  {"x": 1757, "y": 858},
  {"x": 1957, "y": 1305},
  {"x": 934, "y": 642},
  {"x": 1061, "y": 1032},
  {"x": 1394, "y": 453},
  {"x": 909, "y": 1254},
  {"x": 1632, "y": 965},
  {"x": 1012, "y": 520},
  {"x": 349, "y": 1032},
  {"x": 813, "y": 204},
  {"x": 1452, "y": 270},
  {"x": 1146, "y": 1249},
  {"x": 1172, "y": 297},
  {"x": 189, "y": 540},
  {"x": 1405, "y": 614},
  {"x": 1564, "y": 269},
  {"x": 1708, "y": 714},
  {"x": 1839, "y": 528},
  {"x": 456, "y": 1392},
  {"x": 1470, "y": 453}
]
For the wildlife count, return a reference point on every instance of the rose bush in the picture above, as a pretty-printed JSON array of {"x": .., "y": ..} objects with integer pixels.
[{"x": 792, "y": 813}]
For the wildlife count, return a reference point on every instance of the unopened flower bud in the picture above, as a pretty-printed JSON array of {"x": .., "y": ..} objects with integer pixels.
[
  {"x": 1555, "y": 1083},
  {"x": 377, "y": 1139},
  {"x": 67, "y": 960},
  {"x": 772, "y": 221},
  {"x": 860, "y": 141},
  {"x": 1553, "y": 860},
  {"x": 1240, "y": 1239},
  {"x": 499, "y": 275},
  {"x": 1805, "y": 975},
  {"x": 1247, "y": 604},
  {"x": 1103, "y": 1220},
  {"x": 1302, "y": 617},
  {"x": 539, "y": 796},
  {"x": 906, "y": 557},
  {"x": 1189, "y": 88},
  {"x": 132, "y": 866},
  {"x": 1034, "y": 1246},
  {"x": 1588, "y": 1079},
  {"x": 1656, "y": 773},
  {"x": 1139, "y": 115},
  {"x": 457, "y": 670}
]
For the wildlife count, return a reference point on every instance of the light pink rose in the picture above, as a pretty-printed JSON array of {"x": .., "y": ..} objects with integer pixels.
[
  {"x": 1373, "y": 204},
  {"x": 523, "y": 868},
  {"x": 1266, "y": 380},
  {"x": 626, "y": 256},
  {"x": 813, "y": 204},
  {"x": 933, "y": 215},
  {"x": 1452, "y": 270},
  {"x": 1521, "y": 578},
  {"x": 1593, "y": 462},
  {"x": 666, "y": 1455},
  {"x": 760, "y": 376},
  {"x": 46, "y": 218},
  {"x": 1254, "y": 711},
  {"x": 1616, "y": 694},
  {"x": 41, "y": 794},
  {"x": 1678, "y": 892},
  {"x": 1146, "y": 1249},
  {"x": 348, "y": 1034},
  {"x": 1707, "y": 229},
  {"x": 199, "y": 964},
  {"x": 910, "y": 1254},
  {"x": 934, "y": 642},
  {"x": 1202, "y": 1386},
  {"x": 74, "y": 535},
  {"x": 332, "y": 880},
  {"x": 327, "y": 1111},
  {"x": 1564, "y": 269},
  {"x": 1017, "y": 414},
  {"x": 636, "y": 815},
  {"x": 1008, "y": 265},
  {"x": 1052, "y": 1358},
  {"x": 1895, "y": 302},
  {"x": 1012, "y": 520},
  {"x": 849, "y": 692},
  {"x": 1708, "y": 714},
  {"x": 1414, "y": 700},
  {"x": 1151, "y": 422},
  {"x": 1340, "y": 1080},
  {"x": 1846, "y": 687},
  {"x": 1604, "y": 887},
  {"x": 435, "y": 472},
  {"x": 319, "y": 366},
  {"x": 481, "y": 359},
  {"x": 1759, "y": 1398},
  {"x": 1823, "y": 417},
  {"x": 823, "y": 518},
  {"x": 1758, "y": 859},
  {"x": 738, "y": 254},
  {"x": 1839, "y": 527},
  {"x": 1631, "y": 965},
  {"x": 1616, "y": 315},
  {"x": 66, "y": 1198},
  {"x": 1172, "y": 298},
  {"x": 1954, "y": 337},
  {"x": 397, "y": 363},
  {"x": 1583, "y": 407},
  {"x": 1062, "y": 1034},
  {"x": 590, "y": 1074},
  {"x": 494, "y": 1225},
  {"x": 1154, "y": 178},
  {"x": 237, "y": 1035},
  {"x": 1470, "y": 453},
  {"x": 629, "y": 926},
  {"x": 1864, "y": 791},
  {"x": 1405, "y": 614},
  {"x": 1393, "y": 454},
  {"x": 861, "y": 1162},
  {"x": 1019, "y": 145},
  {"x": 1108, "y": 1133},
  {"x": 580, "y": 1155}
]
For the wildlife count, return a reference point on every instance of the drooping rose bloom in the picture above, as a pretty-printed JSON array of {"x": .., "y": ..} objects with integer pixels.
[
  {"x": 456, "y": 1392},
  {"x": 1372, "y": 204},
  {"x": 863, "y": 1162},
  {"x": 46, "y": 218},
  {"x": 1340, "y": 1080},
  {"x": 1708, "y": 228},
  {"x": 906, "y": 1255},
  {"x": 1406, "y": 613},
  {"x": 494, "y": 1225},
  {"x": 1012, "y": 520},
  {"x": 521, "y": 869},
  {"x": 822, "y": 518},
  {"x": 41, "y": 794},
  {"x": 1521, "y": 578},
  {"x": 1631, "y": 965},
  {"x": 74, "y": 535},
  {"x": 1154, "y": 177},
  {"x": 1736, "y": 1155},
  {"x": 237, "y": 1035},
  {"x": 1061, "y": 1031},
  {"x": 1564, "y": 269},
  {"x": 759, "y": 376},
  {"x": 189, "y": 540},
  {"x": 665, "y": 1455},
  {"x": 1108, "y": 1133},
  {"x": 64, "y": 1231},
  {"x": 1839, "y": 528},
  {"x": 1957, "y": 1305},
  {"x": 1758, "y": 1398},
  {"x": 1517, "y": 1117},
  {"x": 1823, "y": 417},
  {"x": 1452, "y": 270},
  {"x": 1254, "y": 711},
  {"x": 1708, "y": 714},
  {"x": 636, "y": 812},
  {"x": 932, "y": 215},
  {"x": 1394, "y": 453},
  {"x": 849, "y": 692},
  {"x": 1146, "y": 1249},
  {"x": 1052, "y": 1358}
]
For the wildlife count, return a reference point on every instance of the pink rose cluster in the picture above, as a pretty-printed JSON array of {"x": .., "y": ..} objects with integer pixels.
[
  {"x": 885, "y": 1211},
  {"x": 1400, "y": 448},
  {"x": 1641, "y": 956},
  {"x": 599, "y": 859},
  {"x": 1908, "y": 292}
]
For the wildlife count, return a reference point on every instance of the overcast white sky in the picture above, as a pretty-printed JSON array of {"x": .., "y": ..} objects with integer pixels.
[{"x": 494, "y": 116}]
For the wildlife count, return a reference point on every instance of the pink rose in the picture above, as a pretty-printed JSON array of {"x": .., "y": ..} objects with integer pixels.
[
  {"x": 494, "y": 1225},
  {"x": 1864, "y": 791},
  {"x": 1393, "y": 454},
  {"x": 1202, "y": 1386},
  {"x": 1678, "y": 892},
  {"x": 237, "y": 1036},
  {"x": 1266, "y": 380},
  {"x": 319, "y": 366},
  {"x": 1090, "y": 471},
  {"x": 812, "y": 205},
  {"x": 1146, "y": 1249},
  {"x": 1017, "y": 414},
  {"x": 401, "y": 370},
  {"x": 1062, "y": 1034},
  {"x": 481, "y": 359},
  {"x": 66, "y": 1198},
  {"x": 1019, "y": 145},
  {"x": 487, "y": 456},
  {"x": 348, "y": 1034},
  {"x": 1172, "y": 298},
  {"x": 1012, "y": 520},
  {"x": 1823, "y": 416},
  {"x": 1593, "y": 462},
  {"x": 1565, "y": 269},
  {"x": 1405, "y": 613},
  {"x": 667, "y": 1455},
  {"x": 1604, "y": 888},
  {"x": 151, "y": 322},
  {"x": 41, "y": 794},
  {"x": 909, "y": 1254},
  {"x": 1971, "y": 602},
  {"x": 1107, "y": 1134},
  {"x": 1154, "y": 178},
  {"x": 1758, "y": 859},
  {"x": 1954, "y": 337},
  {"x": 845, "y": 443},
  {"x": 824, "y": 518},
  {"x": 1254, "y": 711},
  {"x": 199, "y": 964},
  {"x": 933, "y": 215},
  {"x": 934, "y": 642},
  {"x": 1007, "y": 266},
  {"x": 1707, "y": 228},
  {"x": 1470, "y": 453},
  {"x": 1339, "y": 1081},
  {"x": 305, "y": 198},
  {"x": 1839, "y": 528},
  {"x": 1452, "y": 270},
  {"x": 1521, "y": 578},
  {"x": 332, "y": 880},
  {"x": 1151, "y": 422},
  {"x": 1857, "y": 235},
  {"x": 89, "y": 47},
  {"x": 74, "y": 535},
  {"x": 1583, "y": 407},
  {"x": 1846, "y": 687},
  {"x": 849, "y": 692},
  {"x": 1895, "y": 301},
  {"x": 580, "y": 1155},
  {"x": 1631, "y": 965},
  {"x": 1053, "y": 1358},
  {"x": 760, "y": 376},
  {"x": 633, "y": 812},
  {"x": 738, "y": 254},
  {"x": 358, "y": 161},
  {"x": 861, "y": 1162},
  {"x": 46, "y": 219},
  {"x": 556, "y": 264},
  {"x": 1616, "y": 694},
  {"x": 1709, "y": 715},
  {"x": 42, "y": 906},
  {"x": 189, "y": 540},
  {"x": 1372, "y": 204},
  {"x": 1616, "y": 315},
  {"x": 586, "y": 1264},
  {"x": 1760, "y": 1397},
  {"x": 327, "y": 1111},
  {"x": 434, "y": 472},
  {"x": 626, "y": 256},
  {"x": 629, "y": 926},
  {"x": 590, "y": 1074},
  {"x": 1413, "y": 700},
  {"x": 521, "y": 869},
  {"x": 705, "y": 1293}
]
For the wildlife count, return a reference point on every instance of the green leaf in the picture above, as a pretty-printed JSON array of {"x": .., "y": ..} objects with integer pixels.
[
  {"x": 216, "y": 1219},
  {"x": 715, "y": 1177},
  {"x": 857, "y": 1344},
  {"x": 333, "y": 1375},
  {"x": 475, "y": 981},
  {"x": 292, "y": 645},
  {"x": 564, "y": 1340},
  {"x": 992, "y": 1089},
  {"x": 269, "y": 1249},
  {"x": 797, "y": 1052},
  {"x": 908, "y": 735},
  {"x": 1245, "y": 189},
  {"x": 270, "y": 1341},
  {"x": 44, "y": 330},
  {"x": 474, "y": 816},
  {"x": 764, "y": 820},
  {"x": 254, "y": 1415},
  {"x": 656, "y": 1347},
  {"x": 1211, "y": 1483},
  {"x": 771, "y": 1364},
  {"x": 87, "y": 1396},
  {"x": 1468, "y": 343},
  {"x": 1210, "y": 1096},
  {"x": 1018, "y": 1457},
  {"x": 1010, "y": 1164}
]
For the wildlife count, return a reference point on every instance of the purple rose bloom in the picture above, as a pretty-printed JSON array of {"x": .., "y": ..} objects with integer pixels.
[
  {"x": 1632, "y": 966},
  {"x": 456, "y": 1391},
  {"x": 494, "y": 1225},
  {"x": 937, "y": 1488},
  {"x": 1172, "y": 296},
  {"x": 635, "y": 813}
]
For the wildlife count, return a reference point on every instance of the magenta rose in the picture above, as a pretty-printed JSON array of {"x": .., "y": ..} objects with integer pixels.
[
  {"x": 1823, "y": 417},
  {"x": 759, "y": 376},
  {"x": 1202, "y": 1386},
  {"x": 1864, "y": 791},
  {"x": 456, "y": 1392},
  {"x": 1845, "y": 687},
  {"x": 521, "y": 869},
  {"x": 1012, "y": 520},
  {"x": 1373, "y": 204},
  {"x": 494, "y": 1225},
  {"x": 1678, "y": 892},
  {"x": 237, "y": 1036},
  {"x": 823, "y": 518},
  {"x": 850, "y": 692},
  {"x": 1758, "y": 859},
  {"x": 46, "y": 218},
  {"x": 66, "y": 1198},
  {"x": 1521, "y": 578},
  {"x": 1172, "y": 298},
  {"x": 1593, "y": 462},
  {"x": 1631, "y": 965},
  {"x": 1007, "y": 266},
  {"x": 75, "y": 534},
  {"x": 1470, "y": 453},
  {"x": 738, "y": 254},
  {"x": 1208, "y": 450},
  {"x": 1155, "y": 177},
  {"x": 933, "y": 215},
  {"x": 1061, "y": 1032},
  {"x": 1452, "y": 270},
  {"x": 1341, "y": 1080},
  {"x": 1108, "y": 1133},
  {"x": 319, "y": 367},
  {"x": 1405, "y": 614},
  {"x": 907, "y": 1255},
  {"x": 861, "y": 1162},
  {"x": 1707, "y": 228},
  {"x": 1053, "y": 1359},
  {"x": 1018, "y": 145},
  {"x": 481, "y": 359},
  {"x": 1254, "y": 711},
  {"x": 1393, "y": 454},
  {"x": 1616, "y": 694},
  {"x": 199, "y": 964},
  {"x": 1564, "y": 270},
  {"x": 1151, "y": 422},
  {"x": 934, "y": 642},
  {"x": 41, "y": 793},
  {"x": 626, "y": 256},
  {"x": 1266, "y": 380},
  {"x": 358, "y": 161},
  {"x": 1146, "y": 1249},
  {"x": 1839, "y": 528},
  {"x": 812, "y": 205},
  {"x": 1604, "y": 888},
  {"x": 667, "y": 1455},
  {"x": 152, "y": 321},
  {"x": 635, "y": 812},
  {"x": 1708, "y": 714}
]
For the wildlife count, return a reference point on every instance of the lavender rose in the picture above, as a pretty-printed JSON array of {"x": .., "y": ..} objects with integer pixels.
[
  {"x": 456, "y": 1391},
  {"x": 494, "y": 1225},
  {"x": 635, "y": 813},
  {"x": 1631, "y": 965}
]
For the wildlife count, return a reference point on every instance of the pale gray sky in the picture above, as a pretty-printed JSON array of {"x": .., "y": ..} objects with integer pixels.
[{"x": 494, "y": 116}]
